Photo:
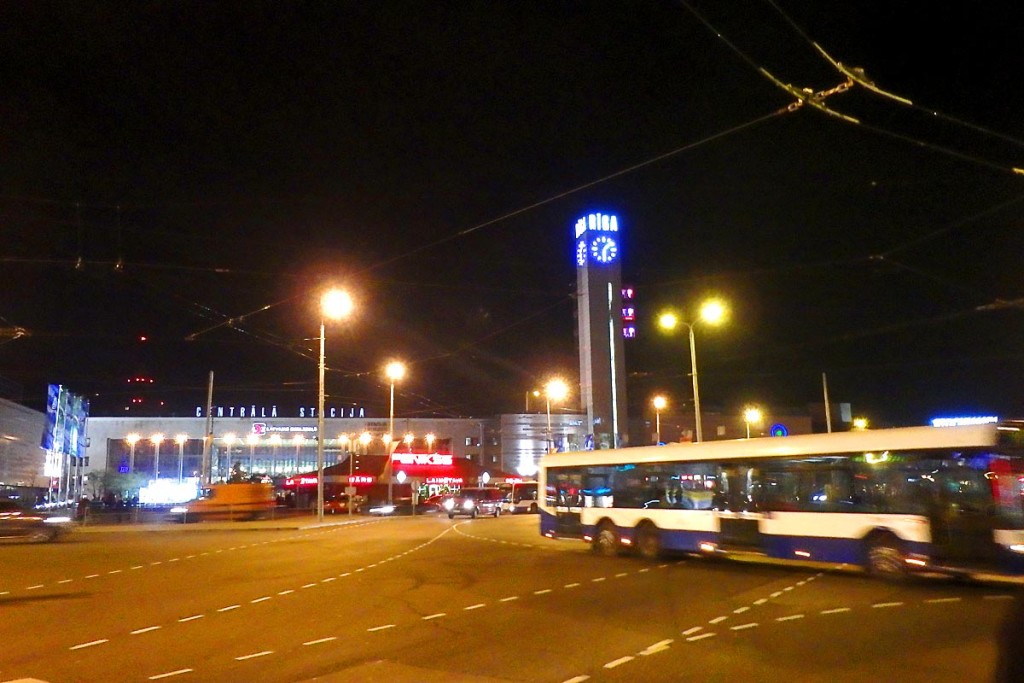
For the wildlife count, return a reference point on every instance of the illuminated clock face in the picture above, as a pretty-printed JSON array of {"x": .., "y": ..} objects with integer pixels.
[
  {"x": 581, "y": 253},
  {"x": 604, "y": 249}
]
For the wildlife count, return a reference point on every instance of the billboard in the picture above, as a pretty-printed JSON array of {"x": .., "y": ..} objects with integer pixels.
[{"x": 65, "y": 430}]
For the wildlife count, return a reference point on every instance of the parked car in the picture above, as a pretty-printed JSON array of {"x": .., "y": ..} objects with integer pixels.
[
  {"x": 475, "y": 502},
  {"x": 338, "y": 505},
  {"x": 19, "y": 522}
]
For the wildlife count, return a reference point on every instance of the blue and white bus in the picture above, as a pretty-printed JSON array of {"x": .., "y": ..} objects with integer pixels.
[{"x": 890, "y": 500}]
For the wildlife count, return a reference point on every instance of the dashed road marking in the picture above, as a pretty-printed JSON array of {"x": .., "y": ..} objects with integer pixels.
[
  {"x": 509, "y": 598},
  {"x": 741, "y": 610},
  {"x": 619, "y": 662},
  {"x": 693, "y": 630},
  {"x": 254, "y": 655},
  {"x": 35, "y": 587},
  {"x": 718, "y": 620},
  {"x": 702, "y": 636},
  {"x": 761, "y": 601},
  {"x": 91, "y": 643},
  {"x": 435, "y": 616},
  {"x": 476, "y": 606},
  {"x": 290, "y": 590},
  {"x": 935, "y": 601},
  {"x": 837, "y": 610},
  {"x": 659, "y": 646},
  {"x": 263, "y": 599},
  {"x": 144, "y": 630},
  {"x": 576, "y": 679},
  {"x": 743, "y": 627},
  {"x": 228, "y": 608},
  {"x": 542, "y": 591},
  {"x": 318, "y": 641},
  {"x": 157, "y": 677},
  {"x": 191, "y": 618},
  {"x": 380, "y": 628},
  {"x": 571, "y": 585},
  {"x": 879, "y": 605},
  {"x": 791, "y": 617},
  {"x": 598, "y": 579}
]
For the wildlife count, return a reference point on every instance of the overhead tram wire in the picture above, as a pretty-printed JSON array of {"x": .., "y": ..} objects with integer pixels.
[
  {"x": 815, "y": 100},
  {"x": 861, "y": 79},
  {"x": 517, "y": 212}
]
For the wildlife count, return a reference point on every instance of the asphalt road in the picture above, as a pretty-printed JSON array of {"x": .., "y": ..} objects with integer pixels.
[{"x": 431, "y": 600}]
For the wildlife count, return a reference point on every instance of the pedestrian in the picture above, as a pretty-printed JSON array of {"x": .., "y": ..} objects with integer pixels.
[{"x": 83, "y": 508}]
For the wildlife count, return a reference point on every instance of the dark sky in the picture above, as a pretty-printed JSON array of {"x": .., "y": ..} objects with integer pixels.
[{"x": 234, "y": 157}]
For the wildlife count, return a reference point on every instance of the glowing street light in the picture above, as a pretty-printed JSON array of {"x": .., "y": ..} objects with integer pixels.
[
  {"x": 535, "y": 393},
  {"x": 297, "y": 441},
  {"x": 860, "y": 423},
  {"x": 252, "y": 440},
  {"x": 157, "y": 439},
  {"x": 394, "y": 371},
  {"x": 334, "y": 304},
  {"x": 132, "y": 439},
  {"x": 181, "y": 439},
  {"x": 275, "y": 441},
  {"x": 555, "y": 390},
  {"x": 430, "y": 441},
  {"x": 229, "y": 440},
  {"x": 752, "y": 415},
  {"x": 712, "y": 312},
  {"x": 659, "y": 403}
]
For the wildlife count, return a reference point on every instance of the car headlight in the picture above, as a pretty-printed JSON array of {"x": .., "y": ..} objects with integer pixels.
[
  {"x": 57, "y": 520},
  {"x": 467, "y": 505},
  {"x": 448, "y": 504},
  {"x": 180, "y": 510}
]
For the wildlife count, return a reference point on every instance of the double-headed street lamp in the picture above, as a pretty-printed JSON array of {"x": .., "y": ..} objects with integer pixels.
[
  {"x": 334, "y": 304},
  {"x": 394, "y": 371},
  {"x": 555, "y": 390},
  {"x": 711, "y": 312},
  {"x": 659, "y": 403}
]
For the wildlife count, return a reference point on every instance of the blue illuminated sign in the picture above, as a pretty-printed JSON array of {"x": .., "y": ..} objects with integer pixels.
[
  {"x": 597, "y": 239},
  {"x": 779, "y": 429},
  {"x": 966, "y": 420}
]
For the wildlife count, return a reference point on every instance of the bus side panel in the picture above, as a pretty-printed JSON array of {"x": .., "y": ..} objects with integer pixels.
[{"x": 838, "y": 537}]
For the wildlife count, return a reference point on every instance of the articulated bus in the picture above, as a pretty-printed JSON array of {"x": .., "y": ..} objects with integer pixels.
[{"x": 948, "y": 499}]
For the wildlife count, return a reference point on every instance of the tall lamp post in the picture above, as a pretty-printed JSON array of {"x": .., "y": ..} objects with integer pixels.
[
  {"x": 535, "y": 393},
  {"x": 659, "y": 403},
  {"x": 394, "y": 371},
  {"x": 555, "y": 390},
  {"x": 181, "y": 439},
  {"x": 252, "y": 440},
  {"x": 334, "y": 304},
  {"x": 132, "y": 439},
  {"x": 275, "y": 441},
  {"x": 157, "y": 439},
  {"x": 229, "y": 441},
  {"x": 711, "y": 312},
  {"x": 751, "y": 415}
]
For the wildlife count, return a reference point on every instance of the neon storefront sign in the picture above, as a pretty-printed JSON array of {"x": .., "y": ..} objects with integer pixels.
[{"x": 430, "y": 459}]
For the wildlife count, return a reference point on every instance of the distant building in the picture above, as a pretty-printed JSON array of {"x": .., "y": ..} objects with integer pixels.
[{"x": 21, "y": 458}]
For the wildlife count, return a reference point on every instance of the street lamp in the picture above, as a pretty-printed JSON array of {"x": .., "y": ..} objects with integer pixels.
[
  {"x": 555, "y": 390},
  {"x": 229, "y": 440},
  {"x": 157, "y": 439},
  {"x": 535, "y": 393},
  {"x": 132, "y": 439},
  {"x": 752, "y": 415},
  {"x": 860, "y": 423},
  {"x": 180, "y": 439},
  {"x": 297, "y": 440},
  {"x": 334, "y": 304},
  {"x": 711, "y": 312},
  {"x": 252, "y": 440},
  {"x": 659, "y": 405},
  {"x": 275, "y": 441},
  {"x": 394, "y": 371},
  {"x": 430, "y": 441}
]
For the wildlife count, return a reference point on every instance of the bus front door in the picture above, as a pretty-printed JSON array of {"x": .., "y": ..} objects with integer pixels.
[{"x": 738, "y": 520}]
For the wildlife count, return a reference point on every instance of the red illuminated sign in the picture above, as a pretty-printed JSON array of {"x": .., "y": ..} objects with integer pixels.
[
  {"x": 444, "y": 480},
  {"x": 301, "y": 481},
  {"x": 435, "y": 459},
  {"x": 360, "y": 479}
]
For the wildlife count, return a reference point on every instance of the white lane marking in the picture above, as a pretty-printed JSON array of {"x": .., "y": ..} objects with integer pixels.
[
  {"x": 776, "y": 594},
  {"x": 571, "y": 585},
  {"x": 621, "y": 574},
  {"x": 476, "y": 606},
  {"x": 435, "y": 616},
  {"x": 361, "y": 569},
  {"x": 761, "y": 601},
  {"x": 5, "y": 592},
  {"x": 935, "y": 601},
  {"x": 115, "y": 571},
  {"x": 741, "y": 610},
  {"x": 576, "y": 679},
  {"x": 189, "y": 557},
  {"x": 329, "y": 579},
  {"x": 144, "y": 630},
  {"x": 801, "y": 583},
  {"x": 662, "y": 566},
  {"x": 509, "y": 598},
  {"x": 691, "y": 631},
  {"x": 718, "y": 620},
  {"x": 345, "y": 574},
  {"x": 619, "y": 662},
  {"x": 254, "y": 655},
  {"x": 644, "y": 570},
  {"x": 138, "y": 566},
  {"x": 92, "y": 576},
  {"x": 600, "y": 578},
  {"x": 153, "y": 564},
  {"x": 998, "y": 597},
  {"x": 742, "y": 627},
  {"x": 380, "y": 628},
  {"x": 702, "y": 636},
  {"x": 878, "y": 605},
  {"x": 263, "y": 599},
  {"x": 787, "y": 588},
  {"x": 157, "y": 677},
  {"x": 191, "y": 618},
  {"x": 659, "y": 646},
  {"x": 65, "y": 581},
  {"x": 791, "y": 617},
  {"x": 285, "y": 592},
  {"x": 542, "y": 592},
  {"x": 38, "y": 585},
  {"x": 89, "y": 644},
  {"x": 174, "y": 559},
  {"x": 309, "y": 585},
  {"x": 228, "y": 608},
  {"x": 837, "y": 610},
  {"x": 318, "y": 641}
]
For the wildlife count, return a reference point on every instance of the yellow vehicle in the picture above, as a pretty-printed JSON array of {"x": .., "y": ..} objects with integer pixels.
[{"x": 228, "y": 502}]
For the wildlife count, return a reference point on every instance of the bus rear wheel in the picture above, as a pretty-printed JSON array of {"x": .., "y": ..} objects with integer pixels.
[
  {"x": 648, "y": 542},
  {"x": 884, "y": 558},
  {"x": 606, "y": 542}
]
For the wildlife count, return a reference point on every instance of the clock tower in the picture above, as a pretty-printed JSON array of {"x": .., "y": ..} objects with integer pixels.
[{"x": 599, "y": 324}]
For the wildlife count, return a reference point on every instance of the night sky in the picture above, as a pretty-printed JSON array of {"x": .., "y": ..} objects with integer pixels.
[{"x": 195, "y": 173}]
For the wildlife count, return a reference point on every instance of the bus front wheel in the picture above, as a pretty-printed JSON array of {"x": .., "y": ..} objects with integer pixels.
[
  {"x": 606, "y": 542},
  {"x": 884, "y": 558}
]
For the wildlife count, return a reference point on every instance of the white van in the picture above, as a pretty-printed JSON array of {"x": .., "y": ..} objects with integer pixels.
[{"x": 521, "y": 498}]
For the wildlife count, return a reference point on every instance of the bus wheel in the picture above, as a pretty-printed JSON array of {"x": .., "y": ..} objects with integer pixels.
[
  {"x": 884, "y": 558},
  {"x": 648, "y": 542},
  {"x": 606, "y": 543}
]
